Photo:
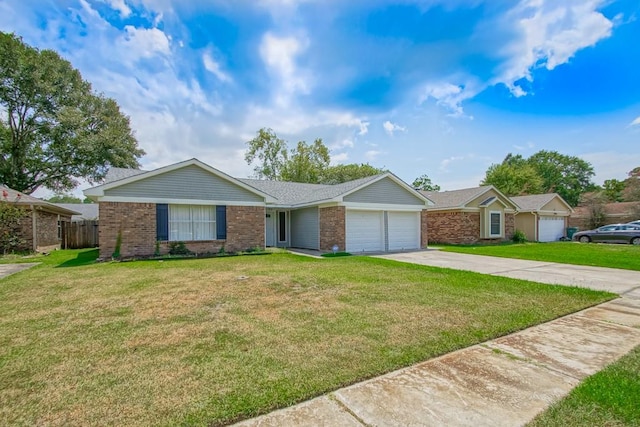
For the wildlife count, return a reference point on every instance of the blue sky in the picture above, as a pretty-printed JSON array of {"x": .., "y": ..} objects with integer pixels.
[{"x": 442, "y": 87}]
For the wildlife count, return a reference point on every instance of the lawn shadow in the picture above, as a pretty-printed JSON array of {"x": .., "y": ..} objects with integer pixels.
[{"x": 83, "y": 258}]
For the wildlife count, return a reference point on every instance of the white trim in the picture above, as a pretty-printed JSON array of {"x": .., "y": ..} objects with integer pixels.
[
  {"x": 123, "y": 199},
  {"x": 490, "y": 234},
  {"x": 553, "y": 213},
  {"x": 383, "y": 207},
  {"x": 454, "y": 209}
]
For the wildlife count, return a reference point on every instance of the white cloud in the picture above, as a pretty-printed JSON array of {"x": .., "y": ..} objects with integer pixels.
[
  {"x": 279, "y": 54},
  {"x": 371, "y": 155},
  {"x": 549, "y": 34},
  {"x": 339, "y": 158},
  {"x": 146, "y": 42},
  {"x": 450, "y": 96},
  {"x": 341, "y": 144},
  {"x": 635, "y": 122},
  {"x": 120, "y": 6},
  {"x": 444, "y": 164},
  {"x": 390, "y": 128},
  {"x": 213, "y": 67}
]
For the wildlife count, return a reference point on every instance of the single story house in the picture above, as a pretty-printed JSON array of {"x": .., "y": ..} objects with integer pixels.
[
  {"x": 40, "y": 229},
  {"x": 209, "y": 210},
  {"x": 542, "y": 217},
  {"x": 470, "y": 215}
]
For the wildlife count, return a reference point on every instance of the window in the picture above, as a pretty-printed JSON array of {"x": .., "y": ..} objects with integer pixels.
[
  {"x": 191, "y": 222},
  {"x": 495, "y": 224},
  {"x": 282, "y": 226}
]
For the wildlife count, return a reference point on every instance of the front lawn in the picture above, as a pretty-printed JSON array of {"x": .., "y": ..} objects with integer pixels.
[
  {"x": 600, "y": 255},
  {"x": 210, "y": 341},
  {"x": 608, "y": 398}
]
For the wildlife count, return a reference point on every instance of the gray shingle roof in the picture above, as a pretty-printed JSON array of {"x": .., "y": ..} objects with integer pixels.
[
  {"x": 533, "y": 202},
  {"x": 21, "y": 199},
  {"x": 296, "y": 193},
  {"x": 116, "y": 174},
  {"x": 454, "y": 198},
  {"x": 87, "y": 211}
]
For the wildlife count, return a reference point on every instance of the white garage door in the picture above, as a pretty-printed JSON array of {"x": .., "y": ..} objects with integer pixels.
[
  {"x": 364, "y": 231},
  {"x": 550, "y": 228},
  {"x": 403, "y": 230}
]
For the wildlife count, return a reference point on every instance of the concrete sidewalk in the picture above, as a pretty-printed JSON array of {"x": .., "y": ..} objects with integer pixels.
[
  {"x": 503, "y": 382},
  {"x": 622, "y": 282}
]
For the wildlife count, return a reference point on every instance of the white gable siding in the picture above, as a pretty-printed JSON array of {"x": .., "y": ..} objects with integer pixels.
[
  {"x": 385, "y": 191},
  {"x": 190, "y": 182}
]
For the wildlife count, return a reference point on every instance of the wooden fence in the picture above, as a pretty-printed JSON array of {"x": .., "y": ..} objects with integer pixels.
[{"x": 80, "y": 234}]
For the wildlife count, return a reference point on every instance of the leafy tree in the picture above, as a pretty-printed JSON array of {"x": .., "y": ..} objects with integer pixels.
[
  {"x": 514, "y": 177},
  {"x": 569, "y": 176},
  {"x": 342, "y": 173},
  {"x": 55, "y": 129},
  {"x": 63, "y": 198},
  {"x": 423, "y": 182},
  {"x": 271, "y": 153},
  {"x": 612, "y": 190},
  {"x": 306, "y": 163},
  {"x": 631, "y": 192},
  {"x": 543, "y": 172}
]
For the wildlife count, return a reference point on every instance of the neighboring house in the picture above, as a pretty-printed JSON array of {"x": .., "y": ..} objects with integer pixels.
[
  {"x": 40, "y": 228},
  {"x": 209, "y": 210},
  {"x": 613, "y": 213},
  {"x": 542, "y": 217},
  {"x": 87, "y": 211},
  {"x": 470, "y": 215}
]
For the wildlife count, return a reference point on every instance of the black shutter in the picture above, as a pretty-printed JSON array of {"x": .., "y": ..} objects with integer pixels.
[
  {"x": 221, "y": 222},
  {"x": 162, "y": 222}
]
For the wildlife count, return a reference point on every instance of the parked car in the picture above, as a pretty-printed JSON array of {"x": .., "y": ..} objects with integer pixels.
[
  {"x": 613, "y": 233},
  {"x": 636, "y": 222}
]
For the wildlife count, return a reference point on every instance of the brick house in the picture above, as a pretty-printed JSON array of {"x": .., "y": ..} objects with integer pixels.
[
  {"x": 470, "y": 215},
  {"x": 208, "y": 210},
  {"x": 40, "y": 228}
]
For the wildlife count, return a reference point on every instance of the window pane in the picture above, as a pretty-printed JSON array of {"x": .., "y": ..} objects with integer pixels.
[
  {"x": 282, "y": 226},
  {"x": 188, "y": 223},
  {"x": 495, "y": 224}
]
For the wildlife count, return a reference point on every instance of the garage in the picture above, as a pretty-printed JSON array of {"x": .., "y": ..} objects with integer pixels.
[
  {"x": 550, "y": 228},
  {"x": 364, "y": 231},
  {"x": 403, "y": 230}
]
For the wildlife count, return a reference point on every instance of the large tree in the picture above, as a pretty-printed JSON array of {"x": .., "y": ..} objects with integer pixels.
[
  {"x": 342, "y": 173},
  {"x": 54, "y": 129},
  {"x": 423, "y": 182},
  {"x": 543, "y": 172},
  {"x": 305, "y": 163}
]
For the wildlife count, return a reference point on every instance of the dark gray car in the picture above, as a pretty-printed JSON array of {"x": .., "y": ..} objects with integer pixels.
[{"x": 613, "y": 233}]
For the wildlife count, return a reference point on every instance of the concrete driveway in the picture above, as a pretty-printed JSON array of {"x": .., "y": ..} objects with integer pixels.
[
  {"x": 623, "y": 282},
  {"x": 9, "y": 269}
]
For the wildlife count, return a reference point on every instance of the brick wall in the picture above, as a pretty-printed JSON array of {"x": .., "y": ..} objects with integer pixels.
[
  {"x": 245, "y": 228},
  {"x": 453, "y": 227},
  {"x": 135, "y": 221},
  {"x": 46, "y": 230},
  {"x": 424, "y": 228},
  {"x": 332, "y": 228}
]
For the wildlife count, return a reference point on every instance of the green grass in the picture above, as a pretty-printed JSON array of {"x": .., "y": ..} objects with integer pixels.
[
  {"x": 211, "y": 341},
  {"x": 600, "y": 255},
  {"x": 608, "y": 398}
]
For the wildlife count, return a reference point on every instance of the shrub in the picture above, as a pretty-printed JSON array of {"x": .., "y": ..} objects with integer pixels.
[
  {"x": 178, "y": 248},
  {"x": 519, "y": 237},
  {"x": 10, "y": 238},
  {"x": 116, "y": 252}
]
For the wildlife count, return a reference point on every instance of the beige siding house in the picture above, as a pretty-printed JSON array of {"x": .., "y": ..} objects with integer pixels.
[
  {"x": 470, "y": 215},
  {"x": 542, "y": 217}
]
